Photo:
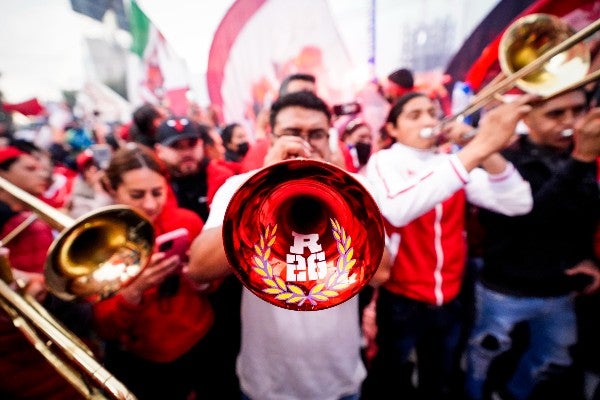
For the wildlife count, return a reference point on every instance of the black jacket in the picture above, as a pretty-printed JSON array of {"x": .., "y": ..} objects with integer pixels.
[{"x": 527, "y": 255}]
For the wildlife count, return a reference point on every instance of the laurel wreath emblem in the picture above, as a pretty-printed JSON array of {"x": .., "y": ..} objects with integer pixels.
[{"x": 293, "y": 294}]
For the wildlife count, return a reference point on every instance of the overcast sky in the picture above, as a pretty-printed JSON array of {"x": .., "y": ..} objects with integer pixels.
[{"x": 42, "y": 49}]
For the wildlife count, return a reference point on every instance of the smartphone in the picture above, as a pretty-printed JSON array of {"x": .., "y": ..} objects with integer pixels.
[
  {"x": 346, "y": 109},
  {"x": 101, "y": 154},
  {"x": 174, "y": 242}
]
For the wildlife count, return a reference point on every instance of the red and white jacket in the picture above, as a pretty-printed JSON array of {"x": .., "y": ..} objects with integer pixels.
[{"x": 422, "y": 196}]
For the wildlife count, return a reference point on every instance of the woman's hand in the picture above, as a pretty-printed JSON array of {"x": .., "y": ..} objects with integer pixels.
[{"x": 157, "y": 270}]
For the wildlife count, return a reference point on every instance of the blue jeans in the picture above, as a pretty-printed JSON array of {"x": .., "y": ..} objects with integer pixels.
[
  {"x": 348, "y": 397},
  {"x": 552, "y": 327}
]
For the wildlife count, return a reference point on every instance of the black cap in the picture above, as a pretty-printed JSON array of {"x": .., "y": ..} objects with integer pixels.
[
  {"x": 402, "y": 77},
  {"x": 175, "y": 129}
]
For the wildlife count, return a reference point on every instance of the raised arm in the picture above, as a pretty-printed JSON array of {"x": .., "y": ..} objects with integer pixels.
[{"x": 495, "y": 131}]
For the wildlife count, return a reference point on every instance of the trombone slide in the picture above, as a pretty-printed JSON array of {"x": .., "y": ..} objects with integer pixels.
[{"x": 23, "y": 313}]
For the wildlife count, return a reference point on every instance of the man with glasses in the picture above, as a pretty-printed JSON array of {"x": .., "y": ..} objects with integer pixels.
[{"x": 284, "y": 353}]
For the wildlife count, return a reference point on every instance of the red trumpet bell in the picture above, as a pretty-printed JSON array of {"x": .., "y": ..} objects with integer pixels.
[{"x": 303, "y": 235}]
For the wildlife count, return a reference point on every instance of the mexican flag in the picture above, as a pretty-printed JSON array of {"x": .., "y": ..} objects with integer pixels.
[{"x": 156, "y": 74}]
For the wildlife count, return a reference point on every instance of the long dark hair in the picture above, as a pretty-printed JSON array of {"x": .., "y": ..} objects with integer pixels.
[{"x": 130, "y": 157}]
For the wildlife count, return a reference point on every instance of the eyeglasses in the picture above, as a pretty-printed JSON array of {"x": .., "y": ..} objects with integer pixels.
[{"x": 314, "y": 134}]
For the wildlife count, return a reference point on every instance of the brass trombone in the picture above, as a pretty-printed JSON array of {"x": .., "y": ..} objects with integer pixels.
[
  {"x": 32, "y": 319},
  {"x": 92, "y": 258},
  {"x": 540, "y": 54}
]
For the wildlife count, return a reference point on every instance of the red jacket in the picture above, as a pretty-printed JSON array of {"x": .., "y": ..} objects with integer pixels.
[
  {"x": 431, "y": 245},
  {"x": 255, "y": 157},
  {"x": 24, "y": 372},
  {"x": 217, "y": 173},
  {"x": 28, "y": 250},
  {"x": 159, "y": 329}
]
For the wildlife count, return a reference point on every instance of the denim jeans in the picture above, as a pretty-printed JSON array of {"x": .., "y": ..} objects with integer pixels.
[
  {"x": 552, "y": 327},
  {"x": 347, "y": 397}
]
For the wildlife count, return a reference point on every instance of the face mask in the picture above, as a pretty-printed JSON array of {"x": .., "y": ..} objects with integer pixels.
[
  {"x": 363, "y": 152},
  {"x": 242, "y": 149}
]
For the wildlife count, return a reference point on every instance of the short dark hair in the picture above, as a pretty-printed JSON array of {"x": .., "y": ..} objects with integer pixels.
[
  {"x": 204, "y": 131},
  {"x": 283, "y": 88},
  {"x": 302, "y": 99},
  {"x": 398, "y": 106},
  {"x": 402, "y": 77},
  {"x": 143, "y": 117},
  {"x": 227, "y": 132},
  {"x": 142, "y": 128}
]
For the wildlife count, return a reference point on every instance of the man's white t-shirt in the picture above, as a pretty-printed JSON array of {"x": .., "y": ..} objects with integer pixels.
[{"x": 293, "y": 355}]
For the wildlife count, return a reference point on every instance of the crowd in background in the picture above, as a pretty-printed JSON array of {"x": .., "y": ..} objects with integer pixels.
[{"x": 472, "y": 302}]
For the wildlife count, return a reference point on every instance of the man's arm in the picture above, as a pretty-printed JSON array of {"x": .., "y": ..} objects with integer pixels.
[
  {"x": 207, "y": 256},
  {"x": 207, "y": 252},
  {"x": 495, "y": 131},
  {"x": 383, "y": 271}
]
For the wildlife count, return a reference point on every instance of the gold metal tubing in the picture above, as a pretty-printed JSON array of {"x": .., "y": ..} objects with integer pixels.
[
  {"x": 27, "y": 318},
  {"x": 95, "y": 255},
  {"x": 16, "y": 231},
  {"x": 69, "y": 374},
  {"x": 52, "y": 216},
  {"x": 486, "y": 94},
  {"x": 594, "y": 76},
  {"x": 21, "y": 312}
]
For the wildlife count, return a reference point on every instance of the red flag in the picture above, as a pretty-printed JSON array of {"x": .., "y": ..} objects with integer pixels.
[{"x": 29, "y": 107}]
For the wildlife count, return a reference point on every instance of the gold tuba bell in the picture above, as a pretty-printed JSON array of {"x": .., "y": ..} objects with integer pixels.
[{"x": 303, "y": 235}]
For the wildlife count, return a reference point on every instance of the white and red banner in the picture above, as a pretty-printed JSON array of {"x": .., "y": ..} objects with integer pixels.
[{"x": 259, "y": 42}]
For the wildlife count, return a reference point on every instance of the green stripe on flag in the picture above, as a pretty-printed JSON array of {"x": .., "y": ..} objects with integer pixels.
[{"x": 140, "y": 27}]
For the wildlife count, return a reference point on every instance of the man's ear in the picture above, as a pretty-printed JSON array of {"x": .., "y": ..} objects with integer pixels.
[{"x": 389, "y": 127}]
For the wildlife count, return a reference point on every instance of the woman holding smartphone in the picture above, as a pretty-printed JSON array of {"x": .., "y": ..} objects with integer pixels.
[{"x": 156, "y": 328}]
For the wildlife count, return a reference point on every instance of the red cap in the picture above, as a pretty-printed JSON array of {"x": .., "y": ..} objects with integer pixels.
[
  {"x": 8, "y": 153},
  {"x": 83, "y": 159}
]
